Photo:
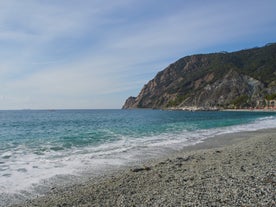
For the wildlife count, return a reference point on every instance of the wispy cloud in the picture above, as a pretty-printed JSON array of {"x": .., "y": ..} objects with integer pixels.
[{"x": 93, "y": 54}]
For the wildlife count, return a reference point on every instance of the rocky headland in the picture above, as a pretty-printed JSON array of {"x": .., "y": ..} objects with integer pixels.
[{"x": 242, "y": 79}]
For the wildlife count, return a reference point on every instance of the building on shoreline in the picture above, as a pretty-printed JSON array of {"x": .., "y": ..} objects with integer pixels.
[{"x": 266, "y": 104}]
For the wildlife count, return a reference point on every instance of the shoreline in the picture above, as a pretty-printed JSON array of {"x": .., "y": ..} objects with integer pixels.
[
  {"x": 226, "y": 170},
  {"x": 251, "y": 110},
  {"x": 195, "y": 108}
]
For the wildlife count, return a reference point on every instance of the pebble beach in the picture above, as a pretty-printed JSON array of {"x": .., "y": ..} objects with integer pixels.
[{"x": 228, "y": 170}]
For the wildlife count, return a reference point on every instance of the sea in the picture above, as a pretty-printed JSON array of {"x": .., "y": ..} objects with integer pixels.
[{"x": 39, "y": 148}]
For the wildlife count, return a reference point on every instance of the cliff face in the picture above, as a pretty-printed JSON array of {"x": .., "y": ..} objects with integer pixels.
[{"x": 228, "y": 80}]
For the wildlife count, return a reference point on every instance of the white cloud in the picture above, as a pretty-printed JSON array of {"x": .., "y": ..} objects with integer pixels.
[
  {"x": 78, "y": 54},
  {"x": 195, "y": 28}
]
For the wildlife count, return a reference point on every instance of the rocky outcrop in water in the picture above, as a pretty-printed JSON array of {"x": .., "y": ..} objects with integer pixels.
[{"x": 219, "y": 80}]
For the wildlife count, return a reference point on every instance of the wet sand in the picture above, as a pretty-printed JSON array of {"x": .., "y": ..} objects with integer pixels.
[{"x": 228, "y": 170}]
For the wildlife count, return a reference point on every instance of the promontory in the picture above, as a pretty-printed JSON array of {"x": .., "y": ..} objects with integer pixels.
[{"x": 242, "y": 79}]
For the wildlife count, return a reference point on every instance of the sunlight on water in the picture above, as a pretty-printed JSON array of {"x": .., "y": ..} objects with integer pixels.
[{"x": 38, "y": 145}]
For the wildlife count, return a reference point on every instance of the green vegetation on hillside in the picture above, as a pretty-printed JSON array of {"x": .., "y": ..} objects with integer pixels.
[
  {"x": 270, "y": 97},
  {"x": 228, "y": 80}
]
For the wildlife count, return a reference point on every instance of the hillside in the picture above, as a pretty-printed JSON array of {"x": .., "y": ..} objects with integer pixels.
[{"x": 245, "y": 78}]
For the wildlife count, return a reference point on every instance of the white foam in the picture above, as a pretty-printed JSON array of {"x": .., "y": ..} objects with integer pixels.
[{"x": 23, "y": 170}]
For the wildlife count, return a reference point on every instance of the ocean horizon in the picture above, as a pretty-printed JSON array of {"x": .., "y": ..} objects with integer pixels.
[{"x": 42, "y": 147}]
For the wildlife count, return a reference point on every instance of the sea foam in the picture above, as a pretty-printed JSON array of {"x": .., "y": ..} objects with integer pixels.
[{"x": 24, "y": 170}]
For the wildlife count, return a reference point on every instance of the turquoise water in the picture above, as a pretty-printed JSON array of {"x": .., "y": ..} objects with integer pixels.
[{"x": 38, "y": 145}]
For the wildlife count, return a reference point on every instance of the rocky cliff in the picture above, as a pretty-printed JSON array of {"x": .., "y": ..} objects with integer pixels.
[{"x": 219, "y": 80}]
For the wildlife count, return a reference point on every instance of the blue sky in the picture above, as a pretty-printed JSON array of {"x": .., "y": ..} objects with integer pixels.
[{"x": 96, "y": 53}]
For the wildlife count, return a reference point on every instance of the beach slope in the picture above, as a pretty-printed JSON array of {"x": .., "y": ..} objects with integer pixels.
[{"x": 229, "y": 170}]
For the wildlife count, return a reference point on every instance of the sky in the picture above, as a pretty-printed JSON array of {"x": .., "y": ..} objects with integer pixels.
[{"x": 93, "y": 54}]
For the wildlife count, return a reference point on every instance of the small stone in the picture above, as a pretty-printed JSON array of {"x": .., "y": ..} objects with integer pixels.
[
  {"x": 242, "y": 168},
  {"x": 141, "y": 169}
]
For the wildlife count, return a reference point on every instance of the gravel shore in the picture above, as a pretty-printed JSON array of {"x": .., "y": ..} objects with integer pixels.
[{"x": 230, "y": 170}]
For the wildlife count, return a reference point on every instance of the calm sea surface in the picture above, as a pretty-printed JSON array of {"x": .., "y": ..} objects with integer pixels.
[{"x": 36, "y": 146}]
